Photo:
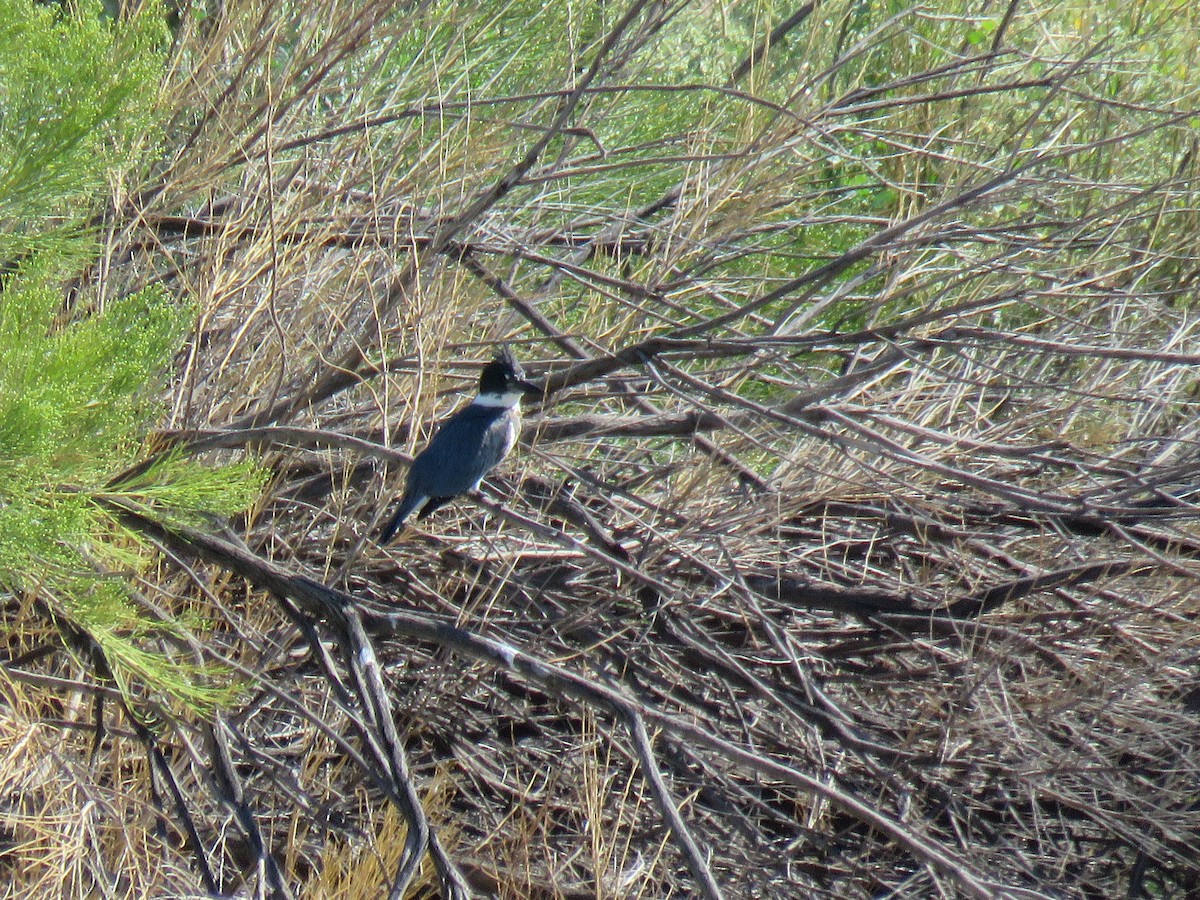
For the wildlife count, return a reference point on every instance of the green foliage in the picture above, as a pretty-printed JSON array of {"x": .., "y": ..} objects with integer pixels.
[
  {"x": 80, "y": 382},
  {"x": 69, "y": 395},
  {"x": 73, "y": 400},
  {"x": 76, "y": 101}
]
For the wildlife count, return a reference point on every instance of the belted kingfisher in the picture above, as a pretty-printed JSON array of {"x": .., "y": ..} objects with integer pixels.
[{"x": 467, "y": 445}]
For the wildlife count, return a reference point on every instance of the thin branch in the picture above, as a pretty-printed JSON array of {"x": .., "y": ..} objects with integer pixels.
[
  {"x": 777, "y": 35},
  {"x": 692, "y": 854}
]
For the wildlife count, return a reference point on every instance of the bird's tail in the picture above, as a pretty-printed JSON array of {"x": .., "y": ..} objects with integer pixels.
[{"x": 409, "y": 502}]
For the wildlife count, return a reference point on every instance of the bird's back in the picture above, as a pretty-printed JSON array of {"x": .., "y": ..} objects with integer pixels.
[{"x": 467, "y": 446}]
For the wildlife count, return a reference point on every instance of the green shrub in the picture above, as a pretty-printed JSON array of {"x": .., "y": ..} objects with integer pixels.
[{"x": 80, "y": 380}]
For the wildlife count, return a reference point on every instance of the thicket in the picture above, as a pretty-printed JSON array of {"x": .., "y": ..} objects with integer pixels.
[{"x": 851, "y": 553}]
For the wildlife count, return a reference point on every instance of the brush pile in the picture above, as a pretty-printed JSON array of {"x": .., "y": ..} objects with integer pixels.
[{"x": 852, "y": 551}]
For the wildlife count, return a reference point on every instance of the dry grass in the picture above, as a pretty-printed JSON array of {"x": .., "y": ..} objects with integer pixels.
[{"x": 877, "y": 477}]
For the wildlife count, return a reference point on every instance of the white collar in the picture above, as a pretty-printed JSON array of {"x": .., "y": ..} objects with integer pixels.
[{"x": 507, "y": 400}]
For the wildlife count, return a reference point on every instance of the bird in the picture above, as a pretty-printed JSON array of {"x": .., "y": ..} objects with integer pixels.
[{"x": 467, "y": 445}]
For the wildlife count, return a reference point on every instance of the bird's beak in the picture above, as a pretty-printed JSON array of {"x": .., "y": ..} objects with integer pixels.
[{"x": 530, "y": 388}]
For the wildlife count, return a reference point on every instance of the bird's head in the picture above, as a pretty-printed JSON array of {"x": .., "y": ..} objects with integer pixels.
[{"x": 503, "y": 383}]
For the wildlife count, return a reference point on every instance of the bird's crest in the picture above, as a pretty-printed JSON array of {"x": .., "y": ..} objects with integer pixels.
[{"x": 505, "y": 357}]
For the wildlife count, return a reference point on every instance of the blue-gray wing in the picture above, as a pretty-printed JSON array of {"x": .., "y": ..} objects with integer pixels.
[
  {"x": 464, "y": 450},
  {"x": 467, "y": 446}
]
